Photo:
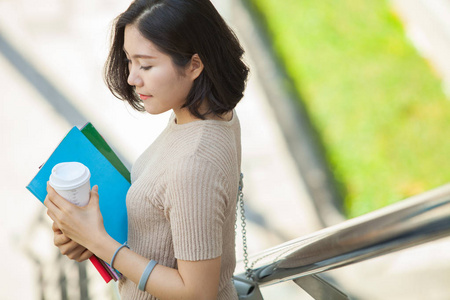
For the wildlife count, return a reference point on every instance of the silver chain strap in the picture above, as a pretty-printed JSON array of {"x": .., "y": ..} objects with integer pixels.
[{"x": 248, "y": 271}]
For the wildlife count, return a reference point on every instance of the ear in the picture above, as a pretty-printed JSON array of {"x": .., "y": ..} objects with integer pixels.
[{"x": 195, "y": 67}]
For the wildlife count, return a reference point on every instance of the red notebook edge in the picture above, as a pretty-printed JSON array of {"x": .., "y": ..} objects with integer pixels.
[{"x": 100, "y": 268}]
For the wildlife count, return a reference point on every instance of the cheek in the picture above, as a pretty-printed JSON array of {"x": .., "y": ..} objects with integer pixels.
[
  {"x": 170, "y": 82},
  {"x": 158, "y": 78}
]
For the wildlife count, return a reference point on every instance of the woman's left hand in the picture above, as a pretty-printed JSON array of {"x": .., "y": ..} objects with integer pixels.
[
  {"x": 83, "y": 225},
  {"x": 68, "y": 247}
]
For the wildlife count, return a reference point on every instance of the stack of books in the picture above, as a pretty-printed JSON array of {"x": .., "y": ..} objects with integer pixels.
[{"x": 88, "y": 147}]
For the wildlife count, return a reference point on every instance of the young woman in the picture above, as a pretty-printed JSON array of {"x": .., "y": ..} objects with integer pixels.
[{"x": 174, "y": 55}]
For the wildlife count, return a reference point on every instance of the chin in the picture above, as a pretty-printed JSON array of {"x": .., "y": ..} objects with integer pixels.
[{"x": 154, "y": 110}]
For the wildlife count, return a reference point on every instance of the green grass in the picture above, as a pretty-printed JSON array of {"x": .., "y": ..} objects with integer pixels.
[{"x": 376, "y": 103}]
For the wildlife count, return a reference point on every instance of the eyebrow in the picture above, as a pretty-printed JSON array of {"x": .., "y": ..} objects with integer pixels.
[
  {"x": 140, "y": 55},
  {"x": 143, "y": 56}
]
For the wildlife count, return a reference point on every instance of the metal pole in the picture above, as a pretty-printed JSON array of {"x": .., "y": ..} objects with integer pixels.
[{"x": 414, "y": 221}]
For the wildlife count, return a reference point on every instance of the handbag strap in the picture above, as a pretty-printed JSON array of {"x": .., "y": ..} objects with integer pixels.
[{"x": 240, "y": 206}]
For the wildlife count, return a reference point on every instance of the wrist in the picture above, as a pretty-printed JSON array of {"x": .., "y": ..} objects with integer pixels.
[{"x": 102, "y": 245}]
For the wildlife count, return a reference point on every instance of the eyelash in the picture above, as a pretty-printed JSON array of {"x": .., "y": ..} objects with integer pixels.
[{"x": 128, "y": 61}]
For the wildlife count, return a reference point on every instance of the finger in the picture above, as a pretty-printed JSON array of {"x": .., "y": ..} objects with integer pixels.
[
  {"x": 71, "y": 250},
  {"x": 56, "y": 228},
  {"x": 85, "y": 255},
  {"x": 94, "y": 198},
  {"x": 46, "y": 201},
  {"x": 52, "y": 215},
  {"x": 52, "y": 209},
  {"x": 57, "y": 200},
  {"x": 51, "y": 193},
  {"x": 80, "y": 254},
  {"x": 60, "y": 239},
  {"x": 95, "y": 189}
]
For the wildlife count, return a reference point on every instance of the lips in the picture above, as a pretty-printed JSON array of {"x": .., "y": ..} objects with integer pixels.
[{"x": 144, "y": 97}]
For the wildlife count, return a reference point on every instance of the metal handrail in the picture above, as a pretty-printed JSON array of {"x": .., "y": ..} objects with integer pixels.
[{"x": 411, "y": 222}]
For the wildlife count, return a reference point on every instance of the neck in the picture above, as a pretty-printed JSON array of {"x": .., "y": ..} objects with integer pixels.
[{"x": 183, "y": 117}]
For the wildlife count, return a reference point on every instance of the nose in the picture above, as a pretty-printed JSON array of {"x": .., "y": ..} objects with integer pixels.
[{"x": 134, "y": 79}]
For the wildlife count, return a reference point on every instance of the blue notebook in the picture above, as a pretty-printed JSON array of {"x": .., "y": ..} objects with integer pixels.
[{"x": 112, "y": 186}]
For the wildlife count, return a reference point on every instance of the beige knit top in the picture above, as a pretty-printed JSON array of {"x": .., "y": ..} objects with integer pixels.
[{"x": 182, "y": 201}]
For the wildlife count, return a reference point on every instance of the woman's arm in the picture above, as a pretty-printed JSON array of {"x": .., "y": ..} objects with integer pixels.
[
  {"x": 192, "y": 280},
  {"x": 84, "y": 226}
]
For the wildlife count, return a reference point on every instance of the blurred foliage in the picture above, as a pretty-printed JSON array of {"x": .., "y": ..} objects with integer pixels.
[{"x": 376, "y": 103}]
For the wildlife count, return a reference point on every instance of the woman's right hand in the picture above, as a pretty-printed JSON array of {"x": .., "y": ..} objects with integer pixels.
[{"x": 68, "y": 247}]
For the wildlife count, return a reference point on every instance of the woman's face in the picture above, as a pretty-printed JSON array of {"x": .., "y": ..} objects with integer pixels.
[{"x": 160, "y": 85}]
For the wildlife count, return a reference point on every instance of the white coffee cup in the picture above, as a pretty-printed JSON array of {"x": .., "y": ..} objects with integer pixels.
[{"x": 71, "y": 181}]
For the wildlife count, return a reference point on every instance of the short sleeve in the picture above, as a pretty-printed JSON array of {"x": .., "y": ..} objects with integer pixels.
[{"x": 197, "y": 204}]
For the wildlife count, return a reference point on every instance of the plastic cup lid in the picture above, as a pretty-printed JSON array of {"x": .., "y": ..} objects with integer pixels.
[{"x": 69, "y": 175}]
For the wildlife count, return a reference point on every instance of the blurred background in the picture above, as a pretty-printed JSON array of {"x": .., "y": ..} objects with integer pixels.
[{"x": 347, "y": 110}]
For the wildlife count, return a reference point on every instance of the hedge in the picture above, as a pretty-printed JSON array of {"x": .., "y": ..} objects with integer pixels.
[{"x": 377, "y": 104}]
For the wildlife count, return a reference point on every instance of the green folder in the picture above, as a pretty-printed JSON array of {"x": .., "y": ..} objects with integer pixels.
[{"x": 99, "y": 142}]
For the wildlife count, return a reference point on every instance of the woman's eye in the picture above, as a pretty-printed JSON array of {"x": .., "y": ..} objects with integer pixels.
[
  {"x": 146, "y": 68},
  {"x": 128, "y": 61}
]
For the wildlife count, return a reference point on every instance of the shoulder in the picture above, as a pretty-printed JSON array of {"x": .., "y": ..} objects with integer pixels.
[
  {"x": 195, "y": 169},
  {"x": 206, "y": 143}
]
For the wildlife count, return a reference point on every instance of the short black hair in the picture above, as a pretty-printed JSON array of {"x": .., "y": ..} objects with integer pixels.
[{"x": 182, "y": 28}]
